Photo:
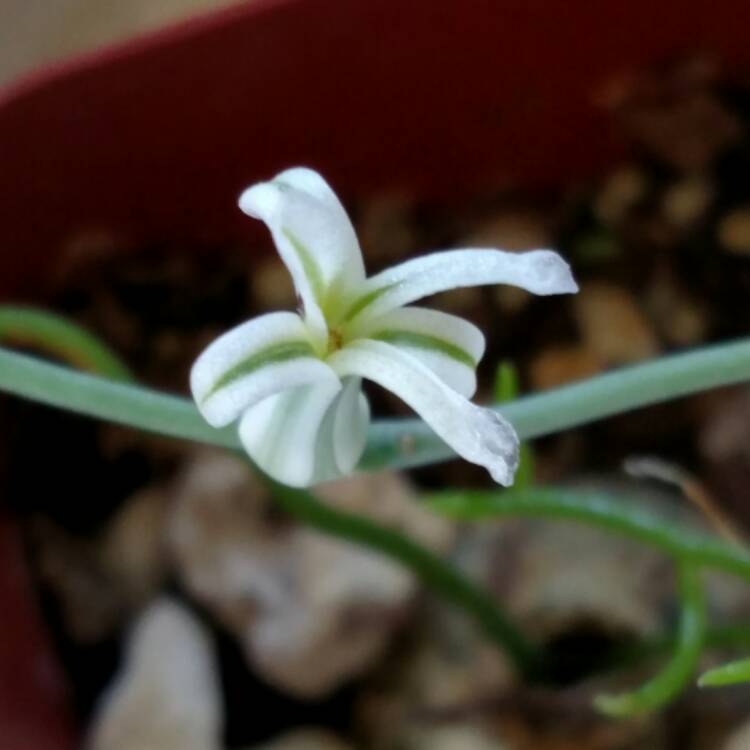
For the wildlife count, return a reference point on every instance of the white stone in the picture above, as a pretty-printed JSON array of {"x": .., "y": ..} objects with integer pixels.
[{"x": 166, "y": 695}]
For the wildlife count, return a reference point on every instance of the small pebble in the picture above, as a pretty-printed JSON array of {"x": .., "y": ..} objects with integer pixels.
[
  {"x": 620, "y": 192},
  {"x": 563, "y": 364},
  {"x": 166, "y": 695},
  {"x": 386, "y": 228},
  {"x": 511, "y": 299},
  {"x": 685, "y": 202},
  {"x": 681, "y": 320},
  {"x": 511, "y": 230},
  {"x": 734, "y": 231},
  {"x": 271, "y": 285},
  {"x": 612, "y": 324}
]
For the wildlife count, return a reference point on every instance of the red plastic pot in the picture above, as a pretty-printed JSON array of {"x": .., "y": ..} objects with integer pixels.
[
  {"x": 153, "y": 140},
  {"x": 34, "y": 712}
]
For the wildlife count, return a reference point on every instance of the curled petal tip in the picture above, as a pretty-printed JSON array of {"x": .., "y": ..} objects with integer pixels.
[
  {"x": 552, "y": 274},
  {"x": 501, "y": 447},
  {"x": 568, "y": 284},
  {"x": 570, "y": 288},
  {"x": 259, "y": 201}
]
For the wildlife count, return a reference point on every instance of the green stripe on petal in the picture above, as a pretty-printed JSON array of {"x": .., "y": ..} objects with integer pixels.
[
  {"x": 478, "y": 435},
  {"x": 537, "y": 271},
  {"x": 272, "y": 355},
  {"x": 424, "y": 341},
  {"x": 449, "y": 346},
  {"x": 281, "y": 433},
  {"x": 365, "y": 301},
  {"x": 309, "y": 265}
]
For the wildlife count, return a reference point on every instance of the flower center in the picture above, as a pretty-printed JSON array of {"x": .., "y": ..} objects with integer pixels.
[{"x": 335, "y": 340}]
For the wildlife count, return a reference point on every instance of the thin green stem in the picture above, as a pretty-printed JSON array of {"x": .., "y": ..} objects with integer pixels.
[
  {"x": 55, "y": 335},
  {"x": 393, "y": 443},
  {"x": 607, "y": 511},
  {"x": 435, "y": 573},
  {"x": 728, "y": 674},
  {"x": 107, "y": 391},
  {"x": 675, "y": 676},
  {"x": 106, "y": 399},
  {"x": 716, "y": 637},
  {"x": 727, "y": 636}
]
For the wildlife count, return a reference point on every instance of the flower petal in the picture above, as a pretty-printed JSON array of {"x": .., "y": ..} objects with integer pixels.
[
  {"x": 479, "y": 435},
  {"x": 351, "y": 419},
  {"x": 450, "y": 346},
  {"x": 253, "y": 361},
  {"x": 308, "y": 434},
  {"x": 313, "y": 234},
  {"x": 538, "y": 271},
  {"x": 281, "y": 432}
]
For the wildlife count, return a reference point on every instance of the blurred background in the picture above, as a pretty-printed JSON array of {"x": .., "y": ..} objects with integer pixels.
[{"x": 153, "y": 594}]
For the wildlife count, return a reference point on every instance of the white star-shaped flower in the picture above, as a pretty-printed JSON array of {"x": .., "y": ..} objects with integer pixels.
[{"x": 294, "y": 380}]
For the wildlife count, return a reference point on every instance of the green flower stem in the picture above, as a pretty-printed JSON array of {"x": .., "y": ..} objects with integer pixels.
[
  {"x": 392, "y": 443},
  {"x": 109, "y": 400},
  {"x": 434, "y": 572},
  {"x": 666, "y": 685},
  {"x": 55, "y": 335},
  {"x": 610, "y": 512}
]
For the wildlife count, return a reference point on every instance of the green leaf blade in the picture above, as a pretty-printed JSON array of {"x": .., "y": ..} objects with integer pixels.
[{"x": 734, "y": 673}]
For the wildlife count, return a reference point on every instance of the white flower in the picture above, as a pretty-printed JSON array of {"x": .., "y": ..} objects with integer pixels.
[{"x": 294, "y": 380}]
